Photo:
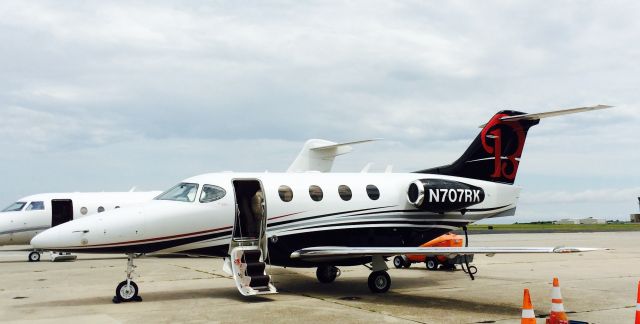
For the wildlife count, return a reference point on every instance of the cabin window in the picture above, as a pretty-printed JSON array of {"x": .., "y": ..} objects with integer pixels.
[
  {"x": 84, "y": 210},
  {"x": 345, "y": 192},
  {"x": 16, "y": 206},
  {"x": 36, "y": 205},
  {"x": 315, "y": 193},
  {"x": 211, "y": 193},
  {"x": 373, "y": 192},
  {"x": 285, "y": 192},
  {"x": 100, "y": 209},
  {"x": 181, "y": 192}
]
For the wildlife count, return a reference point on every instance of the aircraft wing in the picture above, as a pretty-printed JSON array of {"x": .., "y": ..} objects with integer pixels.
[{"x": 326, "y": 253}]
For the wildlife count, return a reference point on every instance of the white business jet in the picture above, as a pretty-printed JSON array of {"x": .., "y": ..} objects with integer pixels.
[
  {"x": 25, "y": 218},
  {"x": 314, "y": 219}
]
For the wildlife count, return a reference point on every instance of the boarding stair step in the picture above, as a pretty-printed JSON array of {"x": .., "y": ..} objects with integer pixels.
[
  {"x": 255, "y": 268},
  {"x": 259, "y": 281},
  {"x": 252, "y": 256}
]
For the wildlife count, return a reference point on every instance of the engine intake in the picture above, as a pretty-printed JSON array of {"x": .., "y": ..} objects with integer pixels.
[{"x": 439, "y": 195}]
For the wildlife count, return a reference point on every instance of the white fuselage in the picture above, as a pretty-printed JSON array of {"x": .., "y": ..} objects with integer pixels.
[
  {"x": 33, "y": 214},
  {"x": 170, "y": 226}
]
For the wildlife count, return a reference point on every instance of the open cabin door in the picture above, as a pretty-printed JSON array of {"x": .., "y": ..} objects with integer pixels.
[
  {"x": 248, "y": 246},
  {"x": 61, "y": 211}
]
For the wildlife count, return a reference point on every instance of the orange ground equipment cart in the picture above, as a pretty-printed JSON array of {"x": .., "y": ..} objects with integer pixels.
[{"x": 435, "y": 261}]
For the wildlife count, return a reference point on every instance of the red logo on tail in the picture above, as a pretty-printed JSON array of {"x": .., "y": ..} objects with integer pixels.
[{"x": 495, "y": 130}]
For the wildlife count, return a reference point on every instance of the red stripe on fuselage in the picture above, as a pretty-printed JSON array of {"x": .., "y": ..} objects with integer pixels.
[
  {"x": 155, "y": 239},
  {"x": 171, "y": 236},
  {"x": 284, "y": 215}
]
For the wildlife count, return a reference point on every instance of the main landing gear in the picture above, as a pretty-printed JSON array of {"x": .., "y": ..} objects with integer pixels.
[
  {"x": 379, "y": 280},
  {"x": 327, "y": 274},
  {"x": 127, "y": 290}
]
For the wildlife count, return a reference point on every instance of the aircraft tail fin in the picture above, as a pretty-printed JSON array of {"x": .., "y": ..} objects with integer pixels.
[
  {"x": 318, "y": 155},
  {"x": 494, "y": 155}
]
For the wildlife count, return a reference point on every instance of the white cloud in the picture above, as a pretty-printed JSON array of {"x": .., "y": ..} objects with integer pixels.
[
  {"x": 92, "y": 77},
  {"x": 49, "y": 131}
]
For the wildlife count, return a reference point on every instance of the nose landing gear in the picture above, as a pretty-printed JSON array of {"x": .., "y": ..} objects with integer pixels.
[
  {"x": 127, "y": 290},
  {"x": 34, "y": 256}
]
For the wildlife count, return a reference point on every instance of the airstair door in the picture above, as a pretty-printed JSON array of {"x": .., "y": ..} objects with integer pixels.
[
  {"x": 61, "y": 211},
  {"x": 248, "y": 246}
]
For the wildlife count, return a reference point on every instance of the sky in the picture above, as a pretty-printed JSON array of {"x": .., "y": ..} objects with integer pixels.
[{"x": 105, "y": 96}]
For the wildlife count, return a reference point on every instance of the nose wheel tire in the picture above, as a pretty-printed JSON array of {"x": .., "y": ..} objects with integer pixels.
[
  {"x": 379, "y": 282},
  {"x": 327, "y": 274},
  {"x": 126, "y": 292},
  {"x": 34, "y": 256}
]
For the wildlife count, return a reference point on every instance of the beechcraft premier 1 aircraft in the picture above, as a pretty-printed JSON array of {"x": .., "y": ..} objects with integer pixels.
[{"x": 314, "y": 219}]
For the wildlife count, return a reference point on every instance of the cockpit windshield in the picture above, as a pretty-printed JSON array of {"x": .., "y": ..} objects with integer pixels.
[
  {"x": 35, "y": 205},
  {"x": 182, "y": 192},
  {"x": 16, "y": 206}
]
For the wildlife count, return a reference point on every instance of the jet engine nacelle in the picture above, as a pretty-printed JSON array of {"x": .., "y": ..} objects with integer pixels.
[{"x": 438, "y": 195}]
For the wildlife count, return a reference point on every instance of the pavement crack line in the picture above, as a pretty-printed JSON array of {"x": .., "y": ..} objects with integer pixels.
[{"x": 202, "y": 271}]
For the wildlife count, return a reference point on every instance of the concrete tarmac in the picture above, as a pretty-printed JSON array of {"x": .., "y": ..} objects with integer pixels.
[{"x": 598, "y": 287}]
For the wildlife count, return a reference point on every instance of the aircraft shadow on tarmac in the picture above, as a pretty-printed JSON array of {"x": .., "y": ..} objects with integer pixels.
[
  {"x": 339, "y": 291},
  {"x": 149, "y": 297},
  {"x": 343, "y": 290},
  {"x": 355, "y": 290}
]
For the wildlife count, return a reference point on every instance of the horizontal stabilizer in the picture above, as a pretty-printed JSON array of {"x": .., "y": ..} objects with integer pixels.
[
  {"x": 325, "y": 253},
  {"x": 337, "y": 145},
  {"x": 538, "y": 116}
]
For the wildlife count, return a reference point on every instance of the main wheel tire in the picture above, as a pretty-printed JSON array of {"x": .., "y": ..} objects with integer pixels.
[
  {"x": 127, "y": 292},
  {"x": 432, "y": 263},
  {"x": 379, "y": 282},
  {"x": 398, "y": 262},
  {"x": 326, "y": 274},
  {"x": 34, "y": 256}
]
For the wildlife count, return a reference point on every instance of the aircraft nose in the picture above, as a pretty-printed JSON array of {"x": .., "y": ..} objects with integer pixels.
[
  {"x": 48, "y": 239},
  {"x": 40, "y": 241},
  {"x": 5, "y": 231}
]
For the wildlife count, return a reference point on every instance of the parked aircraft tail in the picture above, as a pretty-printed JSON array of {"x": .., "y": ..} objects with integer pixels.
[{"x": 495, "y": 153}]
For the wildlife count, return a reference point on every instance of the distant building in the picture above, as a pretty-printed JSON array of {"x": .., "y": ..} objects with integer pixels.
[
  {"x": 585, "y": 221},
  {"x": 592, "y": 220},
  {"x": 565, "y": 221},
  {"x": 635, "y": 218}
]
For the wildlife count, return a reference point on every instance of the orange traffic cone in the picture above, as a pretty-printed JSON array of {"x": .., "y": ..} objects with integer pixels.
[
  {"x": 638, "y": 305},
  {"x": 557, "y": 315},
  {"x": 528, "y": 317}
]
